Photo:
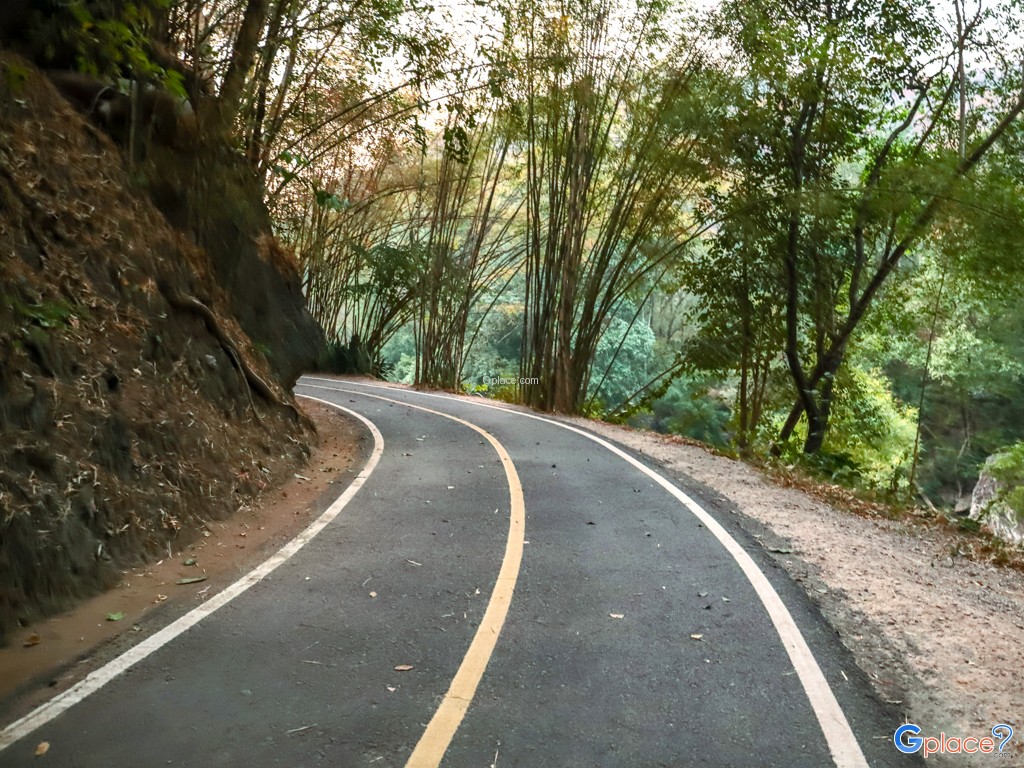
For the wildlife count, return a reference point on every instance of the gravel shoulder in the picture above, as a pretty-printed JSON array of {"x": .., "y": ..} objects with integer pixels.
[{"x": 938, "y": 633}]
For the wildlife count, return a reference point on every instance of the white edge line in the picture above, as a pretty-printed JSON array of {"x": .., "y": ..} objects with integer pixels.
[
  {"x": 842, "y": 743},
  {"x": 100, "y": 677}
]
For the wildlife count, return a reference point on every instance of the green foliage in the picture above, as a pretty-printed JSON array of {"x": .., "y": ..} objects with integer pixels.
[
  {"x": 14, "y": 77},
  {"x": 49, "y": 314},
  {"x": 871, "y": 439},
  {"x": 111, "y": 39},
  {"x": 838, "y": 150},
  {"x": 690, "y": 408},
  {"x": 330, "y": 201},
  {"x": 495, "y": 350},
  {"x": 874, "y": 429},
  {"x": 973, "y": 382},
  {"x": 1008, "y": 469},
  {"x": 623, "y": 362}
]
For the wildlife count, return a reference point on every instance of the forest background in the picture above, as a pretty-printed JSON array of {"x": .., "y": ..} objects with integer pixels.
[{"x": 788, "y": 229}]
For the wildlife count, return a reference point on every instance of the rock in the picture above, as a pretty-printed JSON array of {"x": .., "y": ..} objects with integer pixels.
[{"x": 989, "y": 505}]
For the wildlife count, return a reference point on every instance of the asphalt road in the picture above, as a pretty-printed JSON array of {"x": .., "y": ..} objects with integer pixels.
[{"x": 500, "y": 591}]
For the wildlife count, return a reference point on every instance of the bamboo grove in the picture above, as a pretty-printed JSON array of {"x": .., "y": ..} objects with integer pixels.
[{"x": 599, "y": 200}]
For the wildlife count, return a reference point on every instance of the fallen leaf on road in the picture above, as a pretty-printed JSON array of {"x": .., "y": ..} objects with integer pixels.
[
  {"x": 43, "y": 748},
  {"x": 702, "y": 594},
  {"x": 403, "y": 667},
  {"x": 373, "y": 594},
  {"x": 392, "y": 688},
  {"x": 617, "y": 615},
  {"x": 190, "y": 561},
  {"x": 696, "y": 637},
  {"x": 31, "y": 640},
  {"x": 191, "y": 580},
  {"x": 781, "y": 550},
  {"x": 115, "y": 616},
  {"x": 413, "y": 562},
  {"x": 160, "y": 598}
]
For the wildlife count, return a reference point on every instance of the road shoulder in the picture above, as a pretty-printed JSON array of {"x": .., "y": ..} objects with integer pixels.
[
  {"x": 50, "y": 656},
  {"x": 937, "y": 634}
]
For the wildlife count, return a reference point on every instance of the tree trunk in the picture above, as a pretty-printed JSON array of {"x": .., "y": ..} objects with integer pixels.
[
  {"x": 242, "y": 55},
  {"x": 817, "y": 422},
  {"x": 743, "y": 437},
  {"x": 254, "y": 152}
]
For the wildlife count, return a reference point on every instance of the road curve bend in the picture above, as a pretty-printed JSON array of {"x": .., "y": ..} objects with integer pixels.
[{"x": 495, "y": 589}]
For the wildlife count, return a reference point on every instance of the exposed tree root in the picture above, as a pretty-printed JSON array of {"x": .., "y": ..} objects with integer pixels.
[{"x": 252, "y": 379}]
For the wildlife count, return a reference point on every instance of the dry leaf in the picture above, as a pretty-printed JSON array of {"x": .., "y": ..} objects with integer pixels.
[
  {"x": 696, "y": 637},
  {"x": 392, "y": 688},
  {"x": 31, "y": 640},
  {"x": 403, "y": 667},
  {"x": 43, "y": 748},
  {"x": 373, "y": 594},
  {"x": 160, "y": 598},
  {"x": 617, "y": 615}
]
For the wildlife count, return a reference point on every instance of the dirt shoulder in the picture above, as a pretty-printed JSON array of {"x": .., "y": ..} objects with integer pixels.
[
  {"x": 134, "y": 409},
  {"x": 52, "y": 655},
  {"x": 937, "y": 633}
]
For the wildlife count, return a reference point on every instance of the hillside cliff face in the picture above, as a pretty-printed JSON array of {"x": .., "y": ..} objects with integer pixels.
[
  {"x": 212, "y": 194},
  {"x": 134, "y": 405}
]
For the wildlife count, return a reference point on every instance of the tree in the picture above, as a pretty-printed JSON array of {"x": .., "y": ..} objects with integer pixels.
[
  {"x": 844, "y": 118},
  {"x": 612, "y": 120},
  {"x": 468, "y": 236}
]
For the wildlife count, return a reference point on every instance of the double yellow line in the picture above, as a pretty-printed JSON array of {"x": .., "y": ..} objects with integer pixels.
[{"x": 434, "y": 742}]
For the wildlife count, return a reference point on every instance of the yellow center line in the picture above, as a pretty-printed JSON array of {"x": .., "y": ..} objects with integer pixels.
[
  {"x": 841, "y": 740},
  {"x": 434, "y": 742}
]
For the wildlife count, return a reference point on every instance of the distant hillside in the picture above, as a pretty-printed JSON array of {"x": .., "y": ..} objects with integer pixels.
[{"x": 133, "y": 406}]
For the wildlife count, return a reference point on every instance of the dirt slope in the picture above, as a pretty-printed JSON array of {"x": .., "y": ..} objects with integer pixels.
[{"x": 126, "y": 421}]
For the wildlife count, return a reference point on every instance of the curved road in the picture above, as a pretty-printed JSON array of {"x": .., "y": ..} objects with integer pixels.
[{"x": 495, "y": 589}]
